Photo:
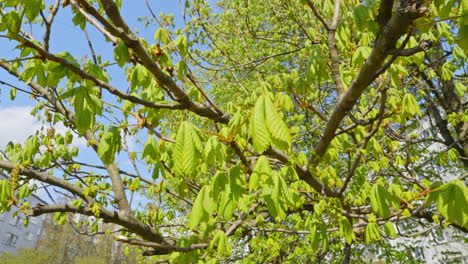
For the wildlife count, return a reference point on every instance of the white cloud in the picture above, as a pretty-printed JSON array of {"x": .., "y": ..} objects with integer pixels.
[{"x": 17, "y": 124}]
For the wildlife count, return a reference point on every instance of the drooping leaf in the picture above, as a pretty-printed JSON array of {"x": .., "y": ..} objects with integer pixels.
[
  {"x": 109, "y": 145},
  {"x": 452, "y": 200},
  {"x": 261, "y": 137},
  {"x": 185, "y": 150},
  {"x": 279, "y": 132},
  {"x": 198, "y": 213}
]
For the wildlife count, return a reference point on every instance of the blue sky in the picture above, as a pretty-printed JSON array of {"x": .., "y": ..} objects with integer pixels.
[{"x": 16, "y": 122}]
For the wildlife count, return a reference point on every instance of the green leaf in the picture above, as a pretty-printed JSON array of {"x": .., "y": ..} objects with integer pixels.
[
  {"x": 410, "y": 105},
  {"x": 121, "y": 54},
  {"x": 346, "y": 230},
  {"x": 452, "y": 200},
  {"x": 361, "y": 13},
  {"x": 463, "y": 38},
  {"x": 198, "y": 213},
  {"x": 84, "y": 117},
  {"x": 23, "y": 191},
  {"x": 162, "y": 35},
  {"x": 182, "y": 69},
  {"x": 226, "y": 203},
  {"x": 32, "y": 8},
  {"x": 260, "y": 135},
  {"x": 372, "y": 232},
  {"x": 150, "y": 150},
  {"x": 262, "y": 170},
  {"x": 279, "y": 132},
  {"x": 13, "y": 21},
  {"x": 109, "y": 145},
  {"x": 381, "y": 200},
  {"x": 185, "y": 149},
  {"x": 79, "y": 20},
  {"x": 30, "y": 148},
  {"x": 389, "y": 229},
  {"x": 135, "y": 185},
  {"x": 181, "y": 43},
  {"x": 12, "y": 94},
  {"x": 60, "y": 218},
  {"x": 5, "y": 190}
]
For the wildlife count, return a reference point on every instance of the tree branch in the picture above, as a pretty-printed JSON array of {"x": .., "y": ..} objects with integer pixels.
[{"x": 397, "y": 25}]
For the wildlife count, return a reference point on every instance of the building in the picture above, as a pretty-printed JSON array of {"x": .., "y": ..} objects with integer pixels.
[{"x": 13, "y": 234}]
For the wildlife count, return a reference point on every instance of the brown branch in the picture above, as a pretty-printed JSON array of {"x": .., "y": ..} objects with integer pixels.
[
  {"x": 423, "y": 46},
  {"x": 385, "y": 12},
  {"x": 95, "y": 23},
  {"x": 331, "y": 42},
  {"x": 159, "y": 248},
  {"x": 94, "y": 79},
  {"x": 139, "y": 228},
  {"x": 122, "y": 31},
  {"x": 397, "y": 25},
  {"x": 48, "y": 23},
  {"x": 317, "y": 14},
  {"x": 369, "y": 135},
  {"x": 72, "y": 188}
]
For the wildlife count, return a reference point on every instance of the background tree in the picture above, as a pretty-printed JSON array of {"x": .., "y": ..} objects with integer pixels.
[
  {"x": 73, "y": 242},
  {"x": 265, "y": 131}
]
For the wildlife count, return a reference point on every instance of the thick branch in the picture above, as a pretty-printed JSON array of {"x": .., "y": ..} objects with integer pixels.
[
  {"x": 122, "y": 31},
  {"x": 397, "y": 25},
  {"x": 72, "y": 188},
  {"x": 423, "y": 46},
  {"x": 139, "y": 228}
]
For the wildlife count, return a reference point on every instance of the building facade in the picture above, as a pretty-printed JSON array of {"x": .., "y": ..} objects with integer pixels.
[{"x": 13, "y": 234}]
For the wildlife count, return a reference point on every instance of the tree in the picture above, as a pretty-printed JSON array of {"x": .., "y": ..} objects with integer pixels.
[
  {"x": 74, "y": 242},
  {"x": 264, "y": 131}
]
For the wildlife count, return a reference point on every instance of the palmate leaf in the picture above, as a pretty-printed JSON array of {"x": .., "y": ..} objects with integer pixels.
[
  {"x": 262, "y": 170},
  {"x": 109, "y": 145},
  {"x": 390, "y": 229},
  {"x": 381, "y": 200},
  {"x": 372, "y": 232},
  {"x": 184, "y": 154},
  {"x": 32, "y": 8},
  {"x": 346, "y": 230},
  {"x": 150, "y": 149},
  {"x": 452, "y": 202},
  {"x": 268, "y": 127}
]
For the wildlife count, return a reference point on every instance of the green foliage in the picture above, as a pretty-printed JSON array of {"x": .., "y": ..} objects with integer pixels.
[
  {"x": 109, "y": 145},
  {"x": 225, "y": 136},
  {"x": 268, "y": 127}
]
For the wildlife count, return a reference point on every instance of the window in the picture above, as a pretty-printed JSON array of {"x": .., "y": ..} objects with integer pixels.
[
  {"x": 418, "y": 253},
  {"x": 33, "y": 220},
  {"x": 29, "y": 236},
  {"x": 10, "y": 239},
  {"x": 439, "y": 236},
  {"x": 15, "y": 220}
]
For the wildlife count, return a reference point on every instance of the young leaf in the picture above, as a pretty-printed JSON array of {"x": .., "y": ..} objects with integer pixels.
[
  {"x": 109, "y": 145},
  {"x": 452, "y": 201},
  {"x": 260, "y": 135},
  {"x": 198, "y": 213},
  {"x": 262, "y": 170},
  {"x": 279, "y": 132},
  {"x": 185, "y": 150}
]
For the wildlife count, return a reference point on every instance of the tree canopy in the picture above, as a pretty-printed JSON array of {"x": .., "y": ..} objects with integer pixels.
[{"x": 251, "y": 131}]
